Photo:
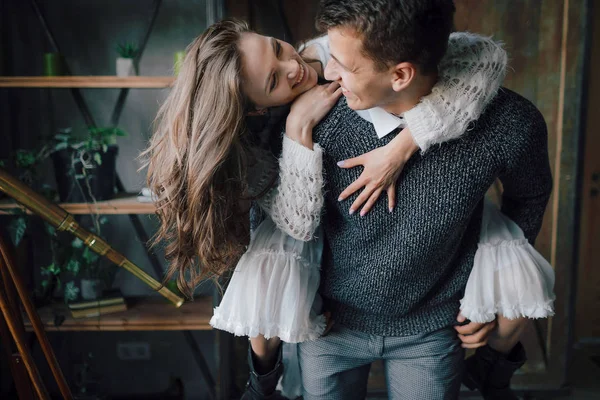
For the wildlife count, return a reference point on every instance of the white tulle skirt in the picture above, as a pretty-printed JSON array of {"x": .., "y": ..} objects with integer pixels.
[
  {"x": 509, "y": 276},
  {"x": 273, "y": 289}
]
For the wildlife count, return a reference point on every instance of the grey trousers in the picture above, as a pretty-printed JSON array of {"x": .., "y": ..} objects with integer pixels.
[{"x": 428, "y": 366}]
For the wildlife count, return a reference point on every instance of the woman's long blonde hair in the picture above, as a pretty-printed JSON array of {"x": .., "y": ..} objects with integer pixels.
[{"x": 197, "y": 157}]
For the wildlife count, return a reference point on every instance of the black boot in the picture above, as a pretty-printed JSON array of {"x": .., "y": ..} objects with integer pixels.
[
  {"x": 490, "y": 372},
  {"x": 262, "y": 387}
]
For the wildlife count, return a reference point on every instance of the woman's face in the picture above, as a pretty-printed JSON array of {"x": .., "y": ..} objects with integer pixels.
[{"x": 274, "y": 73}]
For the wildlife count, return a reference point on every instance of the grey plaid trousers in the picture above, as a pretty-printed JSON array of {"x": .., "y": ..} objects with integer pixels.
[{"x": 427, "y": 366}]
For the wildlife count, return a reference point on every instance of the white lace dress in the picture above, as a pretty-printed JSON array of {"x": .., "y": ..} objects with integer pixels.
[
  {"x": 273, "y": 289},
  {"x": 509, "y": 276},
  {"x": 274, "y": 286}
]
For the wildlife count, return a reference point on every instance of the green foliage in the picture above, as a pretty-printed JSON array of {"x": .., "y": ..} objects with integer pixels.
[
  {"x": 17, "y": 228},
  {"x": 127, "y": 50},
  {"x": 90, "y": 148},
  {"x": 70, "y": 258},
  {"x": 71, "y": 291},
  {"x": 26, "y": 158},
  {"x": 97, "y": 140}
]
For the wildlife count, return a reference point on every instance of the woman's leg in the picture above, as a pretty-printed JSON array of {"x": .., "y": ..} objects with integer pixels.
[
  {"x": 492, "y": 367},
  {"x": 265, "y": 352},
  {"x": 266, "y": 367},
  {"x": 507, "y": 334}
]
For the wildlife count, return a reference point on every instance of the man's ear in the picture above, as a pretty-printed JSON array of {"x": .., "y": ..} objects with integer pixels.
[
  {"x": 258, "y": 111},
  {"x": 402, "y": 75}
]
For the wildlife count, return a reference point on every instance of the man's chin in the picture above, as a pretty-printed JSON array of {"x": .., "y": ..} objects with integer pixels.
[{"x": 356, "y": 105}]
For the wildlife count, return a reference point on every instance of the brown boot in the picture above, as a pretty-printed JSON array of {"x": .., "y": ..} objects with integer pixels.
[
  {"x": 490, "y": 372},
  {"x": 262, "y": 387}
]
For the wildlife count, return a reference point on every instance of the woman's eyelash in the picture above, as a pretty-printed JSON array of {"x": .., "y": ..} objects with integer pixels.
[{"x": 277, "y": 54}]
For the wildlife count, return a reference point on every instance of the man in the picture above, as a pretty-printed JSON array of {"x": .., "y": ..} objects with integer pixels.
[{"x": 393, "y": 280}]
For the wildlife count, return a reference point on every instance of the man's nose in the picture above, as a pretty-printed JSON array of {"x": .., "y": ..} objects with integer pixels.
[{"x": 331, "y": 72}]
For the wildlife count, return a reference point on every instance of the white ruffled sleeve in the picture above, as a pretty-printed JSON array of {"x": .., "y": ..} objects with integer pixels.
[
  {"x": 296, "y": 203},
  {"x": 470, "y": 75}
]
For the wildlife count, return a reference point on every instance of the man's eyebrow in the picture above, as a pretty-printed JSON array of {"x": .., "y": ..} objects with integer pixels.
[{"x": 273, "y": 46}]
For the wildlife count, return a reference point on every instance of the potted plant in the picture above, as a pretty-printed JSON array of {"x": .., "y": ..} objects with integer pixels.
[
  {"x": 85, "y": 168},
  {"x": 126, "y": 62},
  {"x": 73, "y": 269}
]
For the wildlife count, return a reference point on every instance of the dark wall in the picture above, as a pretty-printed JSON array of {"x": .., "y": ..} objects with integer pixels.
[{"x": 87, "y": 33}]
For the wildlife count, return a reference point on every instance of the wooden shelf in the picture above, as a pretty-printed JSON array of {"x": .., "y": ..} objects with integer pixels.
[
  {"x": 98, "y": 82},
  {"x": 127, "y": 204},
  {"x": 144, "y": 314}
]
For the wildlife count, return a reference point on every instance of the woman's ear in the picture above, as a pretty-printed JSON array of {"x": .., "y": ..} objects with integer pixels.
[
  {"x": 257, "y": 111},
  {"x": 402, "y": 75}
]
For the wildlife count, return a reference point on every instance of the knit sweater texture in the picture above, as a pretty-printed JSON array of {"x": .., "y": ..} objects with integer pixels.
[{"x": 403, "y": 273}]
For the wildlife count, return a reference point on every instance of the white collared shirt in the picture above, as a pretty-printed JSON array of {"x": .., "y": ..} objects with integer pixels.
[{"x": 383, "y": 122}]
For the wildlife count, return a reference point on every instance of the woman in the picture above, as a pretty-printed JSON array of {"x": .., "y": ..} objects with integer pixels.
[{"x": 205, "y": 166}]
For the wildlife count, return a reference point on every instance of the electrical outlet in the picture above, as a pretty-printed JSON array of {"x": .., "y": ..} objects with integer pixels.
[{"x": 129, "y": 351}]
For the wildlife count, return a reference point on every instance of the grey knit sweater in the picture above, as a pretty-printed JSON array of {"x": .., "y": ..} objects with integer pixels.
[{"x": 403, "y": 273}]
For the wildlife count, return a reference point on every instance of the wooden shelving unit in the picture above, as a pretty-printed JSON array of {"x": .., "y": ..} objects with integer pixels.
[
  {"x": 90, "y": 82},
  {"x": 123, "y": 204},
  {"x": 143, "y": 314}
]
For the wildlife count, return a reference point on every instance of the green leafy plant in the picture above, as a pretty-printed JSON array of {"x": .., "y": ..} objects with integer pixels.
[
  {"x": 127, "y": 50},
  {"x": 85, "y": 153},
  {"x": 70, "y": 259},
  {"x": 96, "y": 142}
]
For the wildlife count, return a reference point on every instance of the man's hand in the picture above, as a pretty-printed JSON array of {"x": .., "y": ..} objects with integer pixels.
[{"x": 474, "y": 335}]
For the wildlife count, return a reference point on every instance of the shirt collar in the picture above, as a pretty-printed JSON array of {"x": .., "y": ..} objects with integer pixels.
[{"x": 383, "y": 122}]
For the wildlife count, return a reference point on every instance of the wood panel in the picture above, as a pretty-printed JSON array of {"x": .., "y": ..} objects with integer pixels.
[
  {"x": 532, "y": 37},
  {"x": 546, "y": 45},
  {"x": 264, "y": 18},
  {"x": 588, "y": 289}
]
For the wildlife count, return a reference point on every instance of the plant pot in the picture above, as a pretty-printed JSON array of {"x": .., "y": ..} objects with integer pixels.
[
  {"x": 53, "y": 64},
  {"x": 125, "y": 67},
  {"x": 91, "y": 289},
  {"x": 72, "y": 186}
]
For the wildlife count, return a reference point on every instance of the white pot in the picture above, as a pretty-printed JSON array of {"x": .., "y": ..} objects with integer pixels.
[
  {"x": 125, "y": 67},
  {"x": 91, "y": 289}
]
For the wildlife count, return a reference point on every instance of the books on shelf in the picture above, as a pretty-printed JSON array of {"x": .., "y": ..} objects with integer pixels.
[
  {"x": 97, "y": 311},
  {"x": 111, "y": 301}
]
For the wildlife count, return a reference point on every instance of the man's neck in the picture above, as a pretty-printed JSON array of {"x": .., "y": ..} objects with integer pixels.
[{"x": 409, "y": 97}]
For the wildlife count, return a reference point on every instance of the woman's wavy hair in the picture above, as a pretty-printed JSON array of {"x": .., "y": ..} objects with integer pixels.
[{"x": 196, "y": 160}]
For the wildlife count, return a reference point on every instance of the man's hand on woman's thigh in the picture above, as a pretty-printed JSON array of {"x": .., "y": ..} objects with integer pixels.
[{"x": 474, "y": 334}]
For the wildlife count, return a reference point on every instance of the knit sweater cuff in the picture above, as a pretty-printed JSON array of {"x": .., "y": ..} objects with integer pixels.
[
  {"x": 302, "y": 157},
  {"x": 416, "y": 120}
]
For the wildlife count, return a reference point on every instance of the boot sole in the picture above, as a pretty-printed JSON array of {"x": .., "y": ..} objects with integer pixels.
[{"x": 470, "y": 382}]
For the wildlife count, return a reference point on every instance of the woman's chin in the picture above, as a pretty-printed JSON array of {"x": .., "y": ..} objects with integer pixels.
[{"x": 311, "y": 80}]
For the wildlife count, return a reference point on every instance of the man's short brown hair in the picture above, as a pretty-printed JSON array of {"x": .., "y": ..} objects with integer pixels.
[{"x": 394, "y": 31}]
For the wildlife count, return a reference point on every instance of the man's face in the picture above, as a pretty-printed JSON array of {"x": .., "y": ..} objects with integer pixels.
[{"x": 363, "y": 84}]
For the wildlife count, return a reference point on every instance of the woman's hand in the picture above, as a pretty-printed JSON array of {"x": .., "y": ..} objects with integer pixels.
[
  {"x": 308, "y": 109},
  {"x": 382, "y": 167}
]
